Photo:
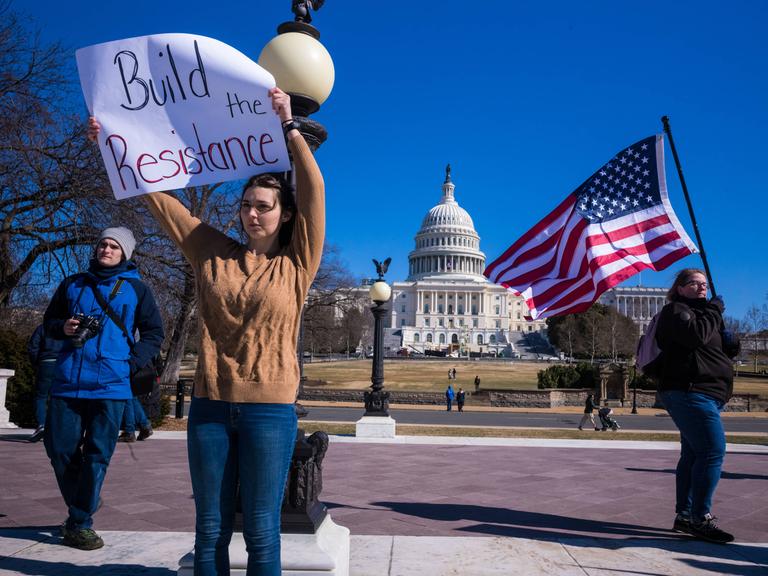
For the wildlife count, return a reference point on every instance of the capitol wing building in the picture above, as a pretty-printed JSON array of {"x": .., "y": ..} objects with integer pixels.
[
  {"x": 640, "y": 303},
  {"x": 446, "y": 304}
]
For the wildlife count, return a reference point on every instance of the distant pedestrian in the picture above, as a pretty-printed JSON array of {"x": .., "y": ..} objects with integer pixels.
[
  {"x": 133, "y": 417},
  {"x": 460, "y": 397},
  {"x": 453, "y": 373},
  {"x": 43, "y": 350},
  {"x": 589, "y": 408},
  {"x": 477, "y": 384},
  {"x": 449, "y": 397},
  {"x": 450, "y": 374}
]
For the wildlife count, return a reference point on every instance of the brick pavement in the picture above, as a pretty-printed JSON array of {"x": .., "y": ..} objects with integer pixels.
[{"x": 416, "y": 490}]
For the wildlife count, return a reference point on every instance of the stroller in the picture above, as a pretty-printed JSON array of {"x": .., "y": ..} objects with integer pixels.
[{"x": 607, "y": 420}]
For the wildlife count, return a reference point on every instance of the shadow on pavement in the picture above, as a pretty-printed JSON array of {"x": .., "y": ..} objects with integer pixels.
[
  {"x": 582, "y": 532},
  {"x": 43, "y": 568},
  {"x": 723, "y": 568},
  {"x": 723, "y": 475},
  {"x": 16, "y": 438},
  {"x": 521, "y": 524},
  {"x": 38, "y": 567}
]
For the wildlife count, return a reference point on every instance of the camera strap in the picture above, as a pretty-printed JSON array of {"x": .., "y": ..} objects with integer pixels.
[{"x": 108, "y": 309}]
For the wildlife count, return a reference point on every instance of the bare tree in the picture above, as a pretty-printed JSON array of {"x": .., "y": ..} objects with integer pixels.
[
  {"x": 601, "y": 331},
  {"x": 592, "y": 327},
  {"x": 330, "y": 297},
  {"x": 754, "y": 324},
  {"x": 54, "y": 196}
]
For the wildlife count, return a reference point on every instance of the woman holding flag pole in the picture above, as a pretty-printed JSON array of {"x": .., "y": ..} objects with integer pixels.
[
  {"x": 696, "y": 382},
  {"x": 618, "y": 222}
]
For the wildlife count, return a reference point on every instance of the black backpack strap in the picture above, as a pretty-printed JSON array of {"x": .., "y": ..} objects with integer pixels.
[{"x": 108, "y": 309}]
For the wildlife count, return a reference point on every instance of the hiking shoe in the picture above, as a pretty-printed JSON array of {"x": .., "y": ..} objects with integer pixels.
[
  {"x": 37, "y": 435},
  {"x": 707, "y": 529},
  {"x": 145, "y": 433},
  {"x": 85, "y": 539},
  {"x": 682, "y": 524},
  {"x": 63, "y": 526},
  {"x": 127, "y": 437}
]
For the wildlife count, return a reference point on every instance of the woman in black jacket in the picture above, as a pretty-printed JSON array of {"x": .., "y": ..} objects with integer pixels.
[{"x": 696, "y": 382}]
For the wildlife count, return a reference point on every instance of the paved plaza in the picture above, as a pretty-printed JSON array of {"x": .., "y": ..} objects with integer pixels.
[{"x": 415, "y": 506}]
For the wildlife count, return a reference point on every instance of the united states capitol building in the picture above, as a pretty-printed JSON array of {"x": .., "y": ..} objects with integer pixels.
[{"x": 447, "y": 305}]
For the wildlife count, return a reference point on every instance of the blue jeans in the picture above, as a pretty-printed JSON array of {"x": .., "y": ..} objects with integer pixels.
[
  {"x": 80, "y": 438},
  {"x": 46, "y": 372},
  {"x": 134, "y": 414},
  {"x": 702, "y": 439},
  {"x": 252, "y": 443}
]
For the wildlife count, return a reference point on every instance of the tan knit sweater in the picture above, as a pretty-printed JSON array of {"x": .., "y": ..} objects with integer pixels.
[{"x": 249, "y": 306}]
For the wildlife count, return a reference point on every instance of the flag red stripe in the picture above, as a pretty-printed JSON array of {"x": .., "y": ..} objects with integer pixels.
[
  {"x": 638, "y": 250},
  {"x": 631, "y": 230},
  {"x": 529, "y": 274},
  {"x": 608, "y": 282},
  {"x": 564, "y": 206},
  {"x": 573, "y": 247},
  {"x": 594, "y": 263},
  {"x": 621, "y": 275}
]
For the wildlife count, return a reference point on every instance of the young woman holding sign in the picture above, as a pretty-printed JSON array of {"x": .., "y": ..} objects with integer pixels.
[{"x": 242, "y": 423}]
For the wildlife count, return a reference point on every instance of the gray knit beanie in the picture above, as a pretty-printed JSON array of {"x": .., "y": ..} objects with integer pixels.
[{"x": 122, "y": 236}]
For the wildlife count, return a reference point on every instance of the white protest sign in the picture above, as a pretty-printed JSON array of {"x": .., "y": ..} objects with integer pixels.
[{"x": 180, "y": 110}]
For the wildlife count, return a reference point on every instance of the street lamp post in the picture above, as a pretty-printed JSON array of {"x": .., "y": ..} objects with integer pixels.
[
  {"x": 634, "y": 390},
  {"x": 634, "y": 375},
  {"x": 302, "y": 68},
  {"x": 377, "y": 400}
]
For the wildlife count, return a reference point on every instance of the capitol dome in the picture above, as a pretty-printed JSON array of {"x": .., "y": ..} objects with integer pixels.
[{"x": 447, "y": 245}]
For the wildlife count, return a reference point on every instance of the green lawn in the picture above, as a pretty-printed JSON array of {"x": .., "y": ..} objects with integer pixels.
[
  {"x": 433, "y": 375},
  {"x": 426, "y": 374},
  {"x": 348, "y": 429}
]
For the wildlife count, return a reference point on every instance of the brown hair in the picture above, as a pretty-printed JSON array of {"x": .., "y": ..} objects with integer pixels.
[
  {"x": 682, "y": 278},
  {"x": 277, "y": 182}
]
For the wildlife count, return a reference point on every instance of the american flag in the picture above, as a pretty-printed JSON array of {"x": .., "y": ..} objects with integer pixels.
[{"x": 617, "y": 223}]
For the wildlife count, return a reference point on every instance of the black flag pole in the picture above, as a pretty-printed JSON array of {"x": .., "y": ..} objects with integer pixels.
[{"x": 668, "y": 130}]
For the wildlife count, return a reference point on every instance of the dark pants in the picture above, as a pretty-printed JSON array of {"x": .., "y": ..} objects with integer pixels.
[
  {"x": 252, "y": 443},
  {"x": 80, "y": 438},
  {"x": 702, "y": 449},
  {"x": 46, "y": 372},
  {"x": 134, "y": 416}
]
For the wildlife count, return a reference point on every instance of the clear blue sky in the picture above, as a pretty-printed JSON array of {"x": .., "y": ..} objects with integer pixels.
[{"x": 524, "y": 99}]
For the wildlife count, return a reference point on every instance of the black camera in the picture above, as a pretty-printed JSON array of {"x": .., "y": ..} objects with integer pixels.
[{"x": 88, "y": 327}]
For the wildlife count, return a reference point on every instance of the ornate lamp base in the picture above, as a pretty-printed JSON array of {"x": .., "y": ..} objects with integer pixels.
[{"x": 376, "y": 403}]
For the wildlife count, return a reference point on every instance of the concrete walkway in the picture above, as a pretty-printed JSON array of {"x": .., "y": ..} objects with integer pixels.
[{"x": 415, "y": 506}]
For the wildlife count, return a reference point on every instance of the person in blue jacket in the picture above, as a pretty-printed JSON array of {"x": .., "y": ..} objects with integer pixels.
[
  {"x": 43, "y": 351},
  {"x": 93, "y": 370}
]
